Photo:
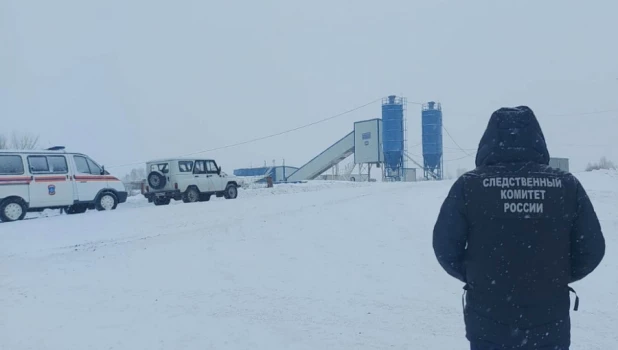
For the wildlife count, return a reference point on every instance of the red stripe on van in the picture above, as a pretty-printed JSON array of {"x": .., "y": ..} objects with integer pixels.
[
  {"x": 15, "y": 180},
  {"x": 96, "y": 178},
  {"x": 50, "y": 178}
]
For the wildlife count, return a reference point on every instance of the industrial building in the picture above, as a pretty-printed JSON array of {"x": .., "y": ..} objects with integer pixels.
[
  {"x": 559, "y": 163},
  {"x": 379, "y": 142}
]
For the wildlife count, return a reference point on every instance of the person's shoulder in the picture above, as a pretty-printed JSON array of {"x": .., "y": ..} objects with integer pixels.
[
  {"x": 459, "y": 186},
  {"x": 566, "y": 178},
  {"x": 468, "y": 175},
  {"x": 476, "y": 173}
]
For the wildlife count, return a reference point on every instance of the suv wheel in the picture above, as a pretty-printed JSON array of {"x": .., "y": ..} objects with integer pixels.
[
  {"x": 191, "y": 196},
  {"x": 12, "y": 210},
  {"x": 231, "y": 191},
  {"x": 156, "y": 180}
]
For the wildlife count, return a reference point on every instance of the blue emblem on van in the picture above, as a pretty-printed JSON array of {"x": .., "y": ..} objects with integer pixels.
[{"x": 51, "y": 189}]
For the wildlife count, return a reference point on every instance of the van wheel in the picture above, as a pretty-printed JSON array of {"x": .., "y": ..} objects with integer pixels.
[
  {"x": 231, "y": 191},
  {"x": 107, "y": 201},
  {"x": 76, "y": 209},
  {"x": 12, "y": 209},
  {"x": 191, "y": 196},
  {"x": 162, "y": 201}
]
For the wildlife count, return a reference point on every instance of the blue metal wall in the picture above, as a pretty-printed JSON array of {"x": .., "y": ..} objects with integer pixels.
[
  {"x": 393, "y": 138},
  {"x": 432, "y": 140}
]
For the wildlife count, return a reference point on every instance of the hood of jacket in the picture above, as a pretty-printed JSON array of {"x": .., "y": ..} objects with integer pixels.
[{"x": 513, "y": 135}]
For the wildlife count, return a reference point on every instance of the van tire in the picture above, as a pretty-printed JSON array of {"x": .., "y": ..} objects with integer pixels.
[
  {"x": 106, "y": 201},
  {"x": 156, "y": 181},
  {"x": 13, "y": 209},
  {"x": 192, "y": 195}
]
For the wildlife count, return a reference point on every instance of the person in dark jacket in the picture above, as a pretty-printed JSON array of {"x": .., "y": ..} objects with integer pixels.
[{"x": 517, "y": 232}]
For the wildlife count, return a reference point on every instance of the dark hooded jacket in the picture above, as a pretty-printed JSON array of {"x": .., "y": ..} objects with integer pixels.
[{"x": 517, "y": 232}]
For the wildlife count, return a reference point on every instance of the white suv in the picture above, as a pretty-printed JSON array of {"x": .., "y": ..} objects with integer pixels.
[{"x": 187, "y": 179}]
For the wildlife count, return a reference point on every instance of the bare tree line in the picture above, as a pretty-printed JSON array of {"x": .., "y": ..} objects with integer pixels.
[
  {"x": 602, "y": 164},
  {"x": 19, "y": 141}
]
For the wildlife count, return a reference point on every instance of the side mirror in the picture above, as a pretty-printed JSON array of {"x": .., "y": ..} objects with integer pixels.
[
  {"x": 219, "y": 170},
  {"x": 103, "y": 170}
]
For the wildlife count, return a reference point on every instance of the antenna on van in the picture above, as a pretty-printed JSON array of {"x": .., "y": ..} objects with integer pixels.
[{"x": 56, "y": 148}]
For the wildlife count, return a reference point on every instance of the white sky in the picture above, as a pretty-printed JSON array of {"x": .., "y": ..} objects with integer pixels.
[{"x": 126, "y": 81}]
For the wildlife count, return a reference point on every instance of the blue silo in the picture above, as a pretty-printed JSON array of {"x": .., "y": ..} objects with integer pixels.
[
  {"x": 393, "y": 137},
  {"x": 432, "y": 140}
]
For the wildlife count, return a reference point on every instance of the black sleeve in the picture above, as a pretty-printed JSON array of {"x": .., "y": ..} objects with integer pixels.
[
  {"x": 450, "y": 232},
  {"x": 587, "y": 241}
]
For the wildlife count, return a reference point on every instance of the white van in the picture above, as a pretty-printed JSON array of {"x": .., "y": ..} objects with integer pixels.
[{"x": 31, "y": 181}]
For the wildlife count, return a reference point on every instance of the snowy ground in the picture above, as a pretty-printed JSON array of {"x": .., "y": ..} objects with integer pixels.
[{"x": 309, "y": 266}]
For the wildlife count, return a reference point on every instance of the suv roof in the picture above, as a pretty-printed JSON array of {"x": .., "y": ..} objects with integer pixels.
[{"x": 177, "y": 158}]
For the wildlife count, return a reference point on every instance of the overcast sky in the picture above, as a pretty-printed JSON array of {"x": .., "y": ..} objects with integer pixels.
[{"x": 126, "y": 81}]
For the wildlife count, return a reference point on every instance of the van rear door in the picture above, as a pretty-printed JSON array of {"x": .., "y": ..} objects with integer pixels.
[{"x": 14, "y": 181}]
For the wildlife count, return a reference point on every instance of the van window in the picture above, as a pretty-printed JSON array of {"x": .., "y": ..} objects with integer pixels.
[
  {"x": 81, "y": 164},
  {"x": 38, "y": 164},
  {"x": 185, "y": 166},
  {"x": 48, "y": 164},
  {"x": 85, "y": 165},
  {"x": 57, "y": 164},
  {"x": 94, "y": 168},
  {"x": 11, "y": 165}
]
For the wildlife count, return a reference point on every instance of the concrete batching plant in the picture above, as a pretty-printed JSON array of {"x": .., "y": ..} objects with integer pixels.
[{"x": 380, "y": 142}]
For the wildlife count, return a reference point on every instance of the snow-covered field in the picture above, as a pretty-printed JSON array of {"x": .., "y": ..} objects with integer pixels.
[{"x": 308, "y": 266}]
